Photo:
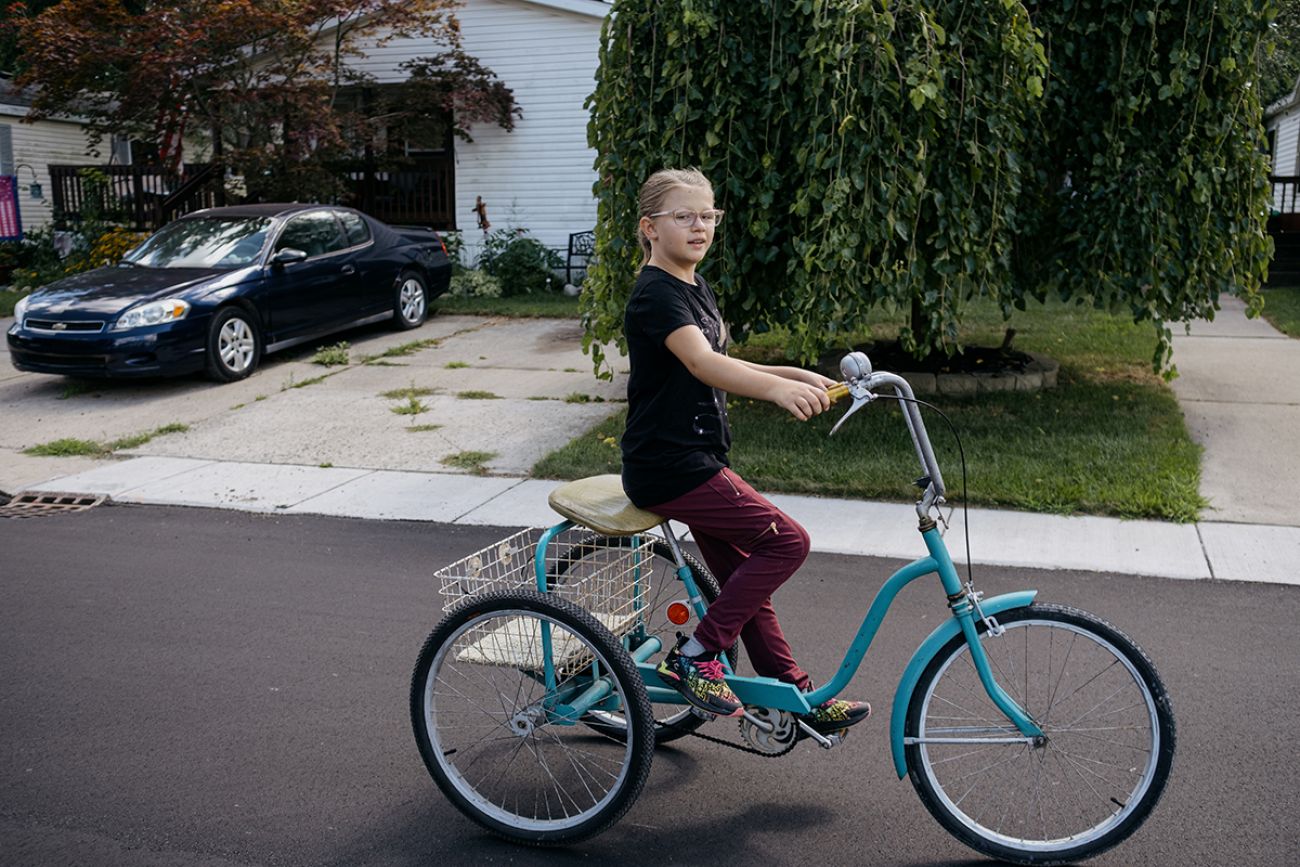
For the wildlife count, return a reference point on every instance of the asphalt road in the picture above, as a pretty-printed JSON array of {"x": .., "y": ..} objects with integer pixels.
[{"x": 193, "y": 687}]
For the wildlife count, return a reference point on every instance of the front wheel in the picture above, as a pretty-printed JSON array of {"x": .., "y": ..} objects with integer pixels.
[
  {"x": 496, "y": 725},
  {"x": 1083, "y": 788},
  {"x": 234, "y": 345}
]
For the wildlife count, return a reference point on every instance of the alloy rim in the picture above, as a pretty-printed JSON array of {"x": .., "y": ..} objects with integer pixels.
[
  {"x": 235, "y": 345},
  {"x": 412, "y": 300}
]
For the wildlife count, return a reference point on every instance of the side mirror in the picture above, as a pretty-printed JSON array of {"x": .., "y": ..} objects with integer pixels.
[{"x": 288, "y": 256}]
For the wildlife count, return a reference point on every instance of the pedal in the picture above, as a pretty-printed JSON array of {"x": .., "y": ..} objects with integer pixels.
[
  {"x": 821, "y": 739},
  {"x": 702, "y": 714}
]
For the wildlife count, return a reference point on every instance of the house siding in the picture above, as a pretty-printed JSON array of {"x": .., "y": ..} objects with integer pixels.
[
  {"x": 1285, "y": 127},
  {"x": 538, "y": 177},
  {"x": 39, "y": 145}
]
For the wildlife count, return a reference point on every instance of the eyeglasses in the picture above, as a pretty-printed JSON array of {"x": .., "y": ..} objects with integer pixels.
[{"x": 685, "y": 217}]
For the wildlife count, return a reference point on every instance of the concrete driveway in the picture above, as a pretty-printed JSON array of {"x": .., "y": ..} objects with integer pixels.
[{"x": 292, "y": 411}]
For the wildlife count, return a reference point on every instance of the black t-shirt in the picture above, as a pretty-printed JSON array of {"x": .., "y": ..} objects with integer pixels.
[{"x": 677, "y": 434}]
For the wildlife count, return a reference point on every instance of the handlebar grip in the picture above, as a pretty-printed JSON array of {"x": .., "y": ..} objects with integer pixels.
[{"x": 837, "y": 391}]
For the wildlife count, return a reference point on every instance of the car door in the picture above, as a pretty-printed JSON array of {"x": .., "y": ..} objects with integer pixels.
[
  {"x": 313, "y": 294},
  {"x": 374, "y": 276}
]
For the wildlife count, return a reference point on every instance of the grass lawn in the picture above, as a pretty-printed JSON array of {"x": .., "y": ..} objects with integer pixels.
[
  {"x": 1109, "y": 439},
  {"x": 1282, "y": 308},
  {"x": 538, "y": 306}
]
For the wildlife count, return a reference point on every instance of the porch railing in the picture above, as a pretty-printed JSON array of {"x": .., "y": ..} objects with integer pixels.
[
  {"x": 421, "y": 191},
  {"x": 141, "y": 196},
  {"x": 1286, "y": 195}
]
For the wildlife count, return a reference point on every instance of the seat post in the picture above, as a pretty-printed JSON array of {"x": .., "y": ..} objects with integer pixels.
[{"x": 671, "y": 538}]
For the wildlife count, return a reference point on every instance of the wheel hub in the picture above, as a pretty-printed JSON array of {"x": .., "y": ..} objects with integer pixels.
[{"x": 526, "y": 721}]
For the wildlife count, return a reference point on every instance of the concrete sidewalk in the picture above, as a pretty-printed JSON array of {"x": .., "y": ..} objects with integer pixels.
[
  {"x": 1238, "y": 552},
  {"x": 1239, "y": 389}
]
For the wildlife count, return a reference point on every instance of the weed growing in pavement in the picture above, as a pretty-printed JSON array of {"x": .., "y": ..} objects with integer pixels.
[
  {"x": 410, "y": 391},
  {"x": 71, "y": 447},
  {"x": 260, "y": 397},
  {"x": 413, "y": 406},
  {"x": 471, "y": 461},
  {"x": 239, "y": 406},
  {"x": 66, "y": 447},
  {"x": 306, "y": 382},
  {"x": 477, "y": 395},
  {"x": 422, "y": 428},
  {"x": 403, "y": 349},
  {"x": 325, "y": 466},
  {"x": 73, "y": 388},
  {"x": 579, "y": 397},
  {"x": 455, "y": 365},
  {"x": 332, "y": 356}
]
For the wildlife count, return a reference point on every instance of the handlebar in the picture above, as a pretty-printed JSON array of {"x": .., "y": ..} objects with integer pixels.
[{"x": 860, "y": 383}]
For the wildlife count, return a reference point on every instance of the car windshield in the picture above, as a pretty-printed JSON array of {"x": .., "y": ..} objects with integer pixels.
[{"x": 203, "y": 242}]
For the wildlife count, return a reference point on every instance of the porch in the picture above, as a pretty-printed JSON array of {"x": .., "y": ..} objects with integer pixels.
[{"x": 416, "y": 191}]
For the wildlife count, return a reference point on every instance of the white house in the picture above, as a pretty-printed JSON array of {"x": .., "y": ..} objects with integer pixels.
[
  {"x": 539, "y": 176},
  {"x": 28, "y": 149},
  {"x": 1282, "y": 124}
]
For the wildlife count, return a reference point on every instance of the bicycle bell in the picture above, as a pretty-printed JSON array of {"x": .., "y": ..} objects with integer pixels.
[{"x": 855, "y": 366}]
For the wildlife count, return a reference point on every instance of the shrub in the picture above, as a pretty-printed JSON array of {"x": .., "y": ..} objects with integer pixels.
[
  {"x": 475, "y": 284},
  {"x": 523, "y": 264}
]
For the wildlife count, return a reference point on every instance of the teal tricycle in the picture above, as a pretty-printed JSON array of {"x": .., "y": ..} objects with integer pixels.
[{"x": 1037, "y": 734}]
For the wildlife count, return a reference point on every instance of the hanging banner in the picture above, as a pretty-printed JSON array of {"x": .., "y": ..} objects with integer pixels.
[{"x": 11, "y": 224}]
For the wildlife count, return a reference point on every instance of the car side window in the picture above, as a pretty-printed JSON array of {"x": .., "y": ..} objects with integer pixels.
[
  {"x": 358, "y": 231},
  {"x": 315, "y": 233}
]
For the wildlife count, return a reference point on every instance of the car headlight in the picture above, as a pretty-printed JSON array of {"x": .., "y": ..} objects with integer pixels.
[
  {"x": 20, "y": 308},
  {"x": 153, "y": 313}
]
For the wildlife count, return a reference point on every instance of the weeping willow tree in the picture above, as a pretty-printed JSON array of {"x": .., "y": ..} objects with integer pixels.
[{"x": 921, "y": 155}]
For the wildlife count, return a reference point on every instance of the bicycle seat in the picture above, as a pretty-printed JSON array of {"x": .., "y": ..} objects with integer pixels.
[{"x": 598, "y": 502}]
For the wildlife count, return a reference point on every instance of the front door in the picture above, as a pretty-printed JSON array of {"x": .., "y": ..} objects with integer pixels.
[{"x": 314, "y": 294}]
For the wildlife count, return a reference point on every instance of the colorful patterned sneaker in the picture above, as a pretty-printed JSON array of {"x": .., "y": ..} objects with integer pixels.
[
  {"x": 700, "y": 680},
  {"x": 836, "y": 714}
]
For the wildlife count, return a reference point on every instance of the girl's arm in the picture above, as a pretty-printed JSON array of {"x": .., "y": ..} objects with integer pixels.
[
  {"x": 801, "y": 398},
  {"x": 796, "y": 373}
]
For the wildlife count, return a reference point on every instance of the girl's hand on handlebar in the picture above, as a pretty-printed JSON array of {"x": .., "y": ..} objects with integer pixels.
[{"x": 803, "y": 400}]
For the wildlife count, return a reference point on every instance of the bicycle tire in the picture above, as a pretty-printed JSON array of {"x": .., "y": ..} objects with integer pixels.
[
  {"x": 490, "y": 647},
  {"x": 665, "y": 587},
  {"x": 1112, "y": 798}
]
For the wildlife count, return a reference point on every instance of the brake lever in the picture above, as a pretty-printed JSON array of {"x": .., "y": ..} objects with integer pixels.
[{"x": 861, "y": 397}]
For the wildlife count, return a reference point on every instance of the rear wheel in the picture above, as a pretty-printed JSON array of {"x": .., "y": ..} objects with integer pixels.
[
  {"x": 1083, "y": 788},
  {"x": 412, "y": 301},
  {"x": 662, "y": 586},
  {"x": 493, "y": 728},
  {"x": 234, "y": 345}
]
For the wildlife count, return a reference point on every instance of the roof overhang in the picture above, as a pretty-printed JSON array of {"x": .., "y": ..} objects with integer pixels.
[
  {"x": 1286, "y": 103},
  {"x": 590, "y": 8}
]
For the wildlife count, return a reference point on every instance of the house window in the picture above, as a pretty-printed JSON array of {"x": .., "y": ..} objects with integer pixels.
[{"x": 7, "y": 150}]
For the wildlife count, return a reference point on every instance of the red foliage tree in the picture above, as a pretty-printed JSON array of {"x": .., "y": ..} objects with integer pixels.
[{"x": 268, "y": 80}]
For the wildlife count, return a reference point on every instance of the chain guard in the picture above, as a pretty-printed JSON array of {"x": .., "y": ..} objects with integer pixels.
[{"x": 779, "y": 741}]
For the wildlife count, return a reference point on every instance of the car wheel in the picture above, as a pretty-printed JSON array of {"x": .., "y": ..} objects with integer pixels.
[
  {"x": 234, "y": 345},
  {"x": 412, "y": 303}
]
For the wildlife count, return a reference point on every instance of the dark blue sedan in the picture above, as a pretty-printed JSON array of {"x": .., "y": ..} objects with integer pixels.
[{"x": 216, "y": 290}]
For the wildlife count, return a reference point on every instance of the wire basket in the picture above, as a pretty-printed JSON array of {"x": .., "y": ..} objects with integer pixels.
[{"x": 609, "y": 582}]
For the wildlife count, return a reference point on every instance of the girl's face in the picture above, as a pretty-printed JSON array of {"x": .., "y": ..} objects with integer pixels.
[{"x": 682, "y": 246}]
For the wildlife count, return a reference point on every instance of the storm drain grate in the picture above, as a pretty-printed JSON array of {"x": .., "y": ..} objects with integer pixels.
[{"x": 36, "y": 504}]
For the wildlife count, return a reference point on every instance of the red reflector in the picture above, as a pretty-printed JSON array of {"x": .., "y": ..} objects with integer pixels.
[{"x": 678, "y": 613}]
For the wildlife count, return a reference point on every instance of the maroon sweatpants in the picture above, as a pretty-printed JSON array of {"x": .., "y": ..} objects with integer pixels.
[{"x": 751, "y": 547}]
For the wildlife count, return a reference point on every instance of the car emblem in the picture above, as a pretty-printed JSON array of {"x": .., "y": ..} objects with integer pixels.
[{"x": 60, "y": 326}]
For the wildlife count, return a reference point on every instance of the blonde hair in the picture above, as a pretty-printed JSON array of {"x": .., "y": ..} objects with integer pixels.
[{"x": 655, "y": 190}]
